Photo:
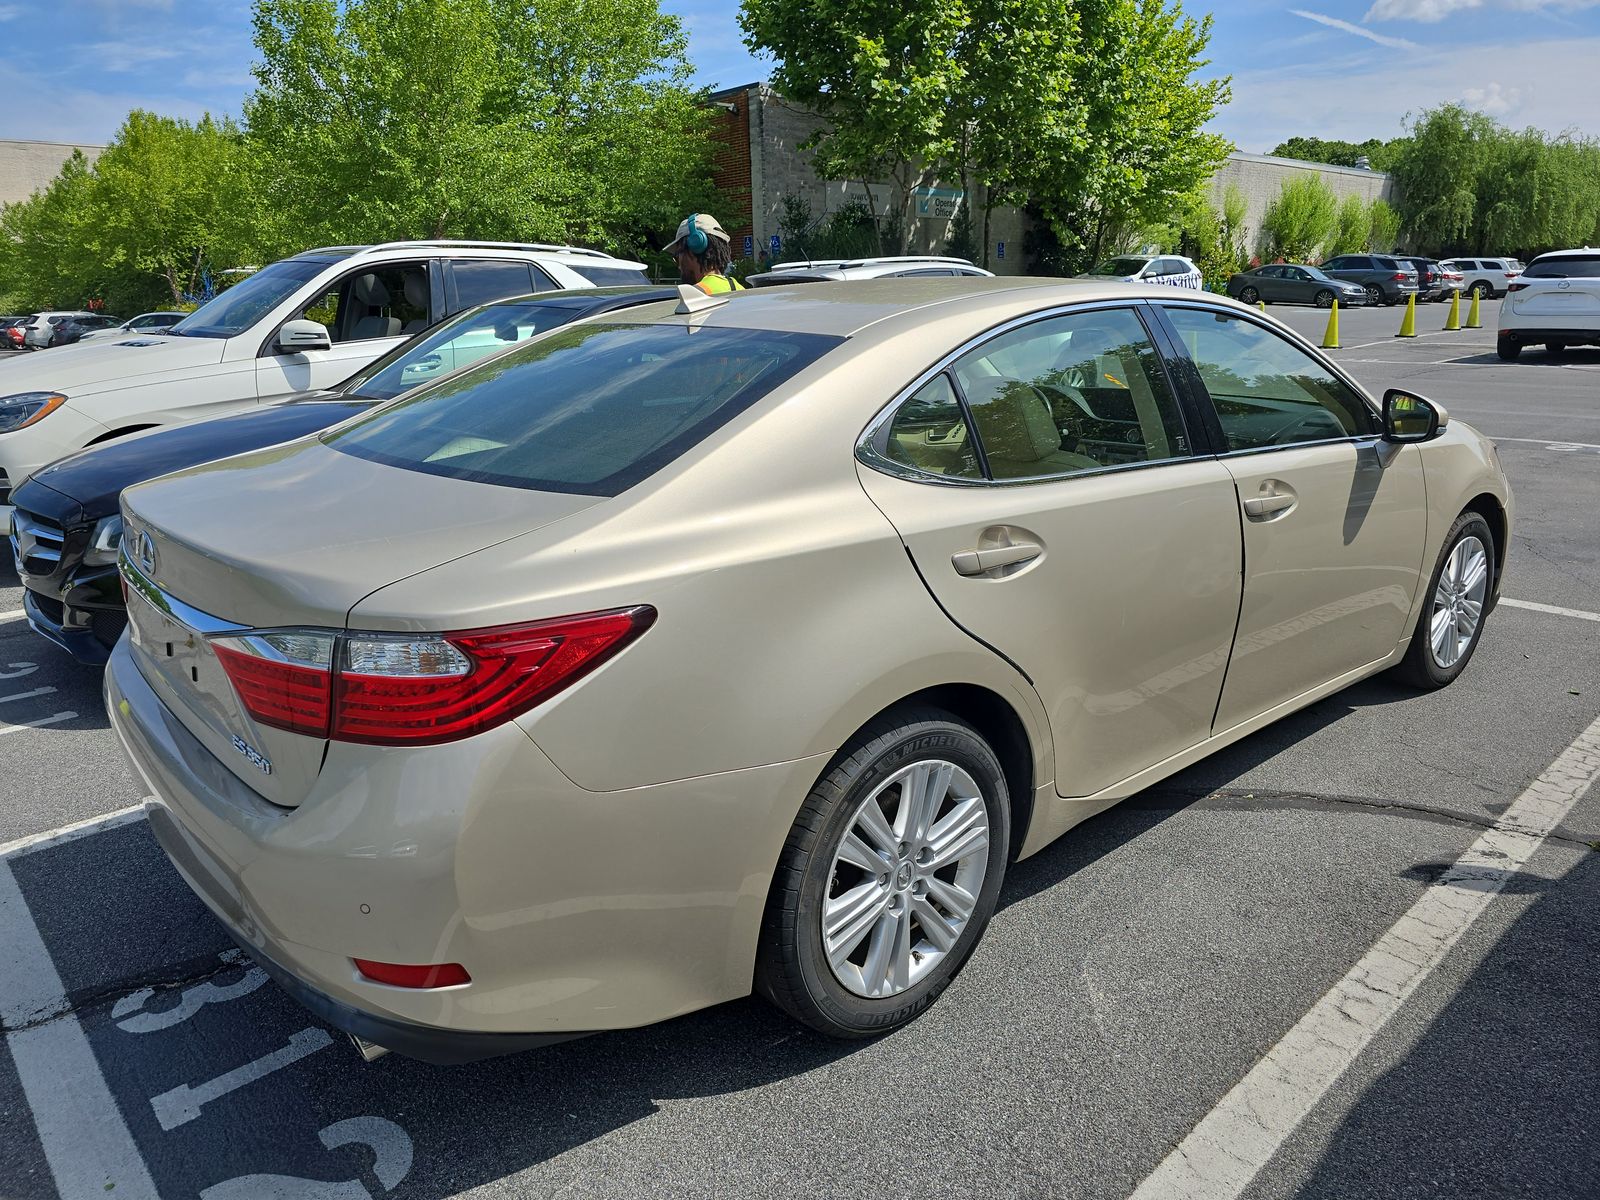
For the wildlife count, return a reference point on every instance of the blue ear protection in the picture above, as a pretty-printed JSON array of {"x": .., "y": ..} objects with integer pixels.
[{"x": 696, "y": 240}]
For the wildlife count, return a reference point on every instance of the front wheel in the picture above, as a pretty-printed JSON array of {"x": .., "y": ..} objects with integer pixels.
[
  {"x": 1249, "y": 295},
  {"x": 1451, "y": 621},
  {"x": 1324, "y": 299},
  {"x": 888, "y": 878},
  {"x": 1557, "y": 348}
]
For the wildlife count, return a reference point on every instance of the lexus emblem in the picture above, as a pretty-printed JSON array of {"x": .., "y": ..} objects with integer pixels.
[{"x": 145, "y": 551}]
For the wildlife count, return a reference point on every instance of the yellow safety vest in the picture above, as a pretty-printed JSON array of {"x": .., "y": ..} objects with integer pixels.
[{"x": 715, "y": 284}]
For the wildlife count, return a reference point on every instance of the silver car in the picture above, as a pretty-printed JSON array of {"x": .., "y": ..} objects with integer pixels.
[{"x": 746, "y": 642}]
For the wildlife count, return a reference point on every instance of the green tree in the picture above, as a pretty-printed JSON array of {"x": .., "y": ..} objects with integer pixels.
[
  {"x": 1300, "y": 220},
  {"x": 1437, "y": 175},
  {"x": 1352, "y": 227},
  {"x": 1383, "y": 227},
  {"x": 571, "y": 120},
  {"x": 1380, "y": 155}
]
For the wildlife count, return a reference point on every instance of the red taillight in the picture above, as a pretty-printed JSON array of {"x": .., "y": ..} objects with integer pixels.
[
  {"x": 1515, "y": 287},
  {"x": 427, "y": 975},
  {"x": 388, "y": 689},
  {"x": 1400, "y": 277}
]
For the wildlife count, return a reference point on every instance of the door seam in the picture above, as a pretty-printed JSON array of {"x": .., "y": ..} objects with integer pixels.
[{"x": 1238, "y": 617}]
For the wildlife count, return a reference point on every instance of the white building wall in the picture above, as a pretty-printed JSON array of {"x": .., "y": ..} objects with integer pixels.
[
  {"x": 28, "y": 167},
  {"x": 1260, "y": 177}
]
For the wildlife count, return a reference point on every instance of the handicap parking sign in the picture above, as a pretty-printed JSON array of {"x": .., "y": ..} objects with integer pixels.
[{"x": 749, "y": 245}]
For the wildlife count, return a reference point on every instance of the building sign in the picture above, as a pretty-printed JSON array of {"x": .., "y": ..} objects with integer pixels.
[{"x": 938, "y": 204}]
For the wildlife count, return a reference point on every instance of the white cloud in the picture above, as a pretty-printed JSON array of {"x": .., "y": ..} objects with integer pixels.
[
  {"x": 1431, "y": 11},
  {"x": 1347, "y": 27},
  {"x": 1496, "y": 100},
  {"x": 10, "y": 12},
  {"x": 127, "y": 56}
]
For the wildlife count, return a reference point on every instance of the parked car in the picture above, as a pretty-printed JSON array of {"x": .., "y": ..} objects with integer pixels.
[
  {"x": 70, "y": 331},
  {"x": 300, "y": 324},
  {"x": 66, "y": 527},
  {"x": 1387, "y": 280},
  {"x": 922, "y": 266},
  {"x": 1556, "y": 300},
  {"x": 1432, "y": 281},
  {"x": 12, "y": 330},
  {"x": 1294, "y": 283},
  {"x": 36, "y": 334},
  {"x": 656, "y": 659},
  {"x": 1485, "y": 277},
  {"x": 1173, "y": 270},
  {"x": 148, "y": 322}
]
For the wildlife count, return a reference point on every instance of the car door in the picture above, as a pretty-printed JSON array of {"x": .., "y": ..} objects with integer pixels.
[
  {"x": 1275, "y": 285},
  {"x": 1298, "y": 286},
  {"x": 1334, "y": 518},
  {"x": 1045, "y": 485},
  {"x": 367, "y": 311}
]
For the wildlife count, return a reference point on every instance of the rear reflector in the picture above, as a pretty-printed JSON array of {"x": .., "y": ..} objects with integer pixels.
[
  {"x": 387, "y": 689},
  {"x": 429, "y": 975}
]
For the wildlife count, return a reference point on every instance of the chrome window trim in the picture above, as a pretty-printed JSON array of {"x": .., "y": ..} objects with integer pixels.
[
  {"x": 868, "y": 454},
  {"x": 186, "y": 615},
  {"x": 1299, "y": 343}
]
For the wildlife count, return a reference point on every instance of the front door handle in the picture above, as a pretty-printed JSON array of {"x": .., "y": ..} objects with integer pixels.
[{"x": 981, "y": 562}]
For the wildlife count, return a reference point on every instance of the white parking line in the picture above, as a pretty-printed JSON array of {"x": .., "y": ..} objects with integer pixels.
[
  {"x": 52, "y": 719},
  {"x": 13, "y": 615},
  {"x": 85, "y": 1140},
  {"x": 74, "y": 831},
  {"x": 1227, "y": 1149},
  {"x": 1549, "y": 442},
  {"x": 1550, "y": 608}
]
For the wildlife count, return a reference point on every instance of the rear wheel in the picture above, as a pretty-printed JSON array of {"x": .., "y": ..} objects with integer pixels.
[
  {"x": 1249, "y": 295},
  {"x": 1509, "y": 349},
  {"x": 1555, "y": 347},
  {"x": 1324, "y": 299},
  {"x": 1374, "y": 294},
  {"x": 1451, "y": 621},
  {"x": 1481, "y": 290},
  {"x": 888, "y": 878}
]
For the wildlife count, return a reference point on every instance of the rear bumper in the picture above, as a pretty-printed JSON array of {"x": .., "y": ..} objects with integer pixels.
[{"x": 1585, "y": 332}]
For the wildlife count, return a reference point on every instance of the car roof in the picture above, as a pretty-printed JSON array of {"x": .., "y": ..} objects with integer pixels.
[
  {"x": 1576, "y": 250},
  {"x": 843, "y": 309}
]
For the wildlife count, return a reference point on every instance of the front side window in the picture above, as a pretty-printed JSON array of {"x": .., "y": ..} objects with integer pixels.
[
  {"x": 1068, "y": 394},
  {"x": 591, "y": 409},
  {"x": 1266, "y": 391},
  {"x": 390, "y": 300},
  {"x": 252, "y": 298},
  {"x": 929, "y": 433}
]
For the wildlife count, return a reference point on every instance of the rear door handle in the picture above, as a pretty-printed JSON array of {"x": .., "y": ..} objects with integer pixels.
[
  {"x": 981, "y": 562},
  {"x": 1259, "y": 508}
]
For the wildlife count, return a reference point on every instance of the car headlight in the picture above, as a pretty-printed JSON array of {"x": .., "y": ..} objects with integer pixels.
[
  {"x": 104, "y": 542},
  {"x": 24, "y": 408}
]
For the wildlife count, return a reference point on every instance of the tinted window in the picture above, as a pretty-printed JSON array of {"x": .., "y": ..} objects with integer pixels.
[
  {"x": 608, "y": 276},
  {"x": 1568, "y": 266},
  {"x": 1266, "y": 391},
  {"x": 930, "y": 433},
  {"x": 590, "y": 409},
  {"x": 456, "y": 343},
  {"x": 483, "y": 280},
  {"x": 1070, "y": 393},
  {"x": 252, "y": 298}
]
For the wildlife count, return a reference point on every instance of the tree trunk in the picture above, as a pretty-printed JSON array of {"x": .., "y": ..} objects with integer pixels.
[
  {"x": 988, "y": 208},
  {"x": 877, "y": 222}
]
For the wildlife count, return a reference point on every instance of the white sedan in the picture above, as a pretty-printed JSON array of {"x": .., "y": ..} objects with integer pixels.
[{"x": 1173, "y": 270}]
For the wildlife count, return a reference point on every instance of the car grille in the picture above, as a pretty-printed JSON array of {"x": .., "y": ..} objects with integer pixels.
[
  {"x": 37, "y": 543},
  {"x": 51, "y": 609}
]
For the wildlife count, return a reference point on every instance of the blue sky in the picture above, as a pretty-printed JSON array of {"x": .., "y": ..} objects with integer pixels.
[{"x": 70, "y": 70}]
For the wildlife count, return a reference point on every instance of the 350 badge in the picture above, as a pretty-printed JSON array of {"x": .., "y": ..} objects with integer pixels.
[{"x": 257, "y": 759}]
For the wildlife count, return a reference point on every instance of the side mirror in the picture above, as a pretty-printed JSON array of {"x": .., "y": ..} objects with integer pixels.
[
  {"x": 1409, "y": 418},
  {"x": 296, "y": 337}
]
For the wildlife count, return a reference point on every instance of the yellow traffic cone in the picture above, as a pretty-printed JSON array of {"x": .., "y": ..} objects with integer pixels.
[
  {"x": 1472, "y": 313},
  {"x": 1330, "y": 336},
  {"x": 1453, "y": 322},
  {"x": 1408, "y": 326}
]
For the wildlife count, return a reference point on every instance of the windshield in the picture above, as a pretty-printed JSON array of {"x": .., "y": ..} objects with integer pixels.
[
  {"x": 591, "y": 409},
  {"x": 457, "y": 343},
  {"x": 1568, "y": 266},
  {"x": 1119, "y": 266},
  {"x": 246, "y": 302}
]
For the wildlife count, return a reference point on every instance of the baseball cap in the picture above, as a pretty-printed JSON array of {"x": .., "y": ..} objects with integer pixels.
[{"x": 705, "y": 223}]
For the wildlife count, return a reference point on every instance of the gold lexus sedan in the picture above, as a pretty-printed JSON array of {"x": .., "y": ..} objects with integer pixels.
[{"x": 742, "y": 644}]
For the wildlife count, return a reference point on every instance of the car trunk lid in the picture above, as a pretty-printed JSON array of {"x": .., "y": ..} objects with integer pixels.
[{"x": 205, "y": 556}]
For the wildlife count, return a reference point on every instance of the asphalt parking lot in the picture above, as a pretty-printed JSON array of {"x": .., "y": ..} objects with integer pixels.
[{"x": 1132, "y": 981}]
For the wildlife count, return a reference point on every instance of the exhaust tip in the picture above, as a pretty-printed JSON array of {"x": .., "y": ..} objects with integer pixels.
[{"x": 370, "y": 1051}]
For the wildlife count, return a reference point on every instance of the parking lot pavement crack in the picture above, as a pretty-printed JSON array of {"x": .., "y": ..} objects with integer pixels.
[
  {"x": 1256, "y": 798},
  {"x": 111, "y": 993}
]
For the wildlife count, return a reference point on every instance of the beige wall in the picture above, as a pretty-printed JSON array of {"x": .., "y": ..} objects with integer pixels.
[
  {"x": 1260, "y": 177},
  {"x": 28, "y": 167}
]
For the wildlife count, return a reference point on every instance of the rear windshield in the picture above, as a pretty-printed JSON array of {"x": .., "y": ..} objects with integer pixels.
[
  {"x": 1120, "y": 266},
  {"x": 1568, "y": 266},
  {"x": 608, "y": 276},
  {"x": 591, "y": 409}
]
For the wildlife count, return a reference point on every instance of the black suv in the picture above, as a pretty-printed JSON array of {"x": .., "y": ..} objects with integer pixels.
[{"x": 1387, "y": 279}]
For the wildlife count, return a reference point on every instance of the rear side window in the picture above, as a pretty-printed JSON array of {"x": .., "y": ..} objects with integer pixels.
[
  {"x": 479, "y": 281},
  {"x": 591, "y": 409},
  {"x": 1266, "y": 391},
  {"x": 1568, "y": 266},
  {"x": 929, "y": 433},
  {"x": 609, "y": 276}
]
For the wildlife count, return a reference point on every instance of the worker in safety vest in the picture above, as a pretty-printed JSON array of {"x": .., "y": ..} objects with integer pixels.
[{"x": 703, "y": 250}]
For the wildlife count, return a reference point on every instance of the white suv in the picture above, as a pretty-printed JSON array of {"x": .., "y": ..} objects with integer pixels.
[
  {"x": 910, "y": 266},
  {"x": 1555, "y": 301},
  {"x": 36, "y": 330},
  {"x": 304, "y": 323},
  {"x": 1485, "y": 277}
]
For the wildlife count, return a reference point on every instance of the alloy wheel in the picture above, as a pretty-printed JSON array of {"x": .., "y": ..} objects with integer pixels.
[
  {"x": 1458, "y": 602},
  {"x": 1374, "y": 294},
  {"x": 906, "y": 878}
]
